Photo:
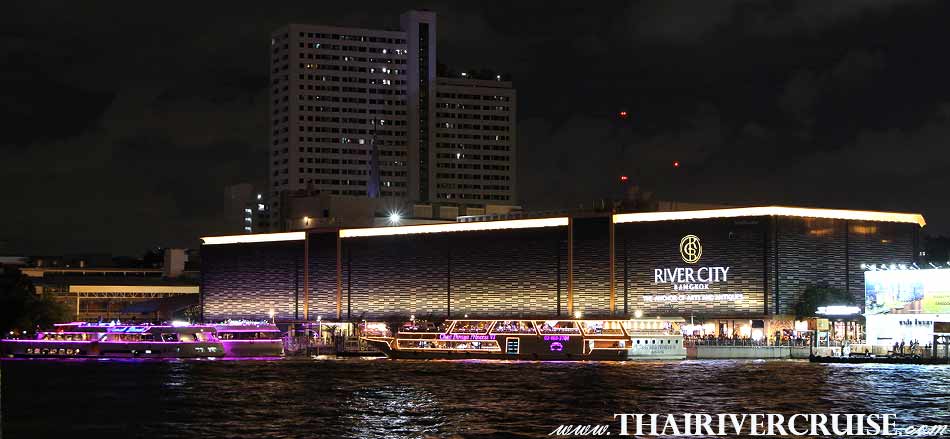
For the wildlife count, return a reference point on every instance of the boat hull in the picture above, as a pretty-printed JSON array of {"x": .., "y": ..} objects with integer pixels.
[
  {"x": 253, "y": 348},
  {"x": 72, "y": 349},
  {"x": 386, "y": 347}
]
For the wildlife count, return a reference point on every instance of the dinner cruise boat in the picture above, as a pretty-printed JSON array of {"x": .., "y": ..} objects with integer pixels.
[
  {"x": 243, "y": 338},
  {"x": 550, "y": 340},
  {"x": 116, "y": 340}
]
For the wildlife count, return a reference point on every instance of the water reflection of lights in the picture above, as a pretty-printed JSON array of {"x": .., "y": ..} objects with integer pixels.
[
  {"x": 177, "y": 374},
  {"x": 394, "y": 411}
]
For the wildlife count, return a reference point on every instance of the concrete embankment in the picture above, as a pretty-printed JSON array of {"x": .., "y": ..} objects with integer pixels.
[{"x": 746, "y": 352}]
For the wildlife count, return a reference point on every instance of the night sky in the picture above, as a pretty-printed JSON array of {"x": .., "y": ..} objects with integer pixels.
[{"x": 123, "y": 122}]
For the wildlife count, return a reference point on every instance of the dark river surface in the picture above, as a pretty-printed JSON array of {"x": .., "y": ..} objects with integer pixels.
[{"x": 304, "y": 398}]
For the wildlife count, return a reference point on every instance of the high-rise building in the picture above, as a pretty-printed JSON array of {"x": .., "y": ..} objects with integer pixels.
[
  {"x": 354, "y": 112},
  {"x": 475, "y": 141}
]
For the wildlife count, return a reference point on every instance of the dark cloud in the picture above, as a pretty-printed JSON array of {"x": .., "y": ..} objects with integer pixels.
[{"x": 125, "y": 121}]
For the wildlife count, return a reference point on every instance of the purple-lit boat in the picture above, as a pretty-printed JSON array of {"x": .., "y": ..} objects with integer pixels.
[
  {"x": 176, "y": 340},
  {"x": 82, "y": 339},
  {"x": 250, "y": 339}
]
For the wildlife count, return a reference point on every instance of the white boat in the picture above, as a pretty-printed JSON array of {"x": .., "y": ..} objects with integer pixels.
[
  {"x": 175, "y": 340},
  {"x": 241, "y": 338},
  {"x": 82, "y": 339}
]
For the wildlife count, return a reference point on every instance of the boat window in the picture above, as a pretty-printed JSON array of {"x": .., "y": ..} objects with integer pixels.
[
  {"x": 420, "y": 326},
  {"x": 558, "y": 327},
  {"x": 602, "y": 327},
  {"x": 651, "y": 326},
  {"x": 608, "y": 344},
  {"x": 64, "y": 336},
  {"x": 249, "y": 335},
  {"x": 450, "y": 345},
  {"x": 514, "y": 327},
  {"x": 471, "y": 326},
  {"x": 170, "y": 337},
  {"x": 375, "y": 329}
]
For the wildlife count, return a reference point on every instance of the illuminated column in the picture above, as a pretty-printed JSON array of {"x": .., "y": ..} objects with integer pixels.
[
  {"x": 339, "y": 278},
  {"x": 306, "y": 276},
  {"x": 570, "y": 266},
  {"x": 613, "y": 284}
]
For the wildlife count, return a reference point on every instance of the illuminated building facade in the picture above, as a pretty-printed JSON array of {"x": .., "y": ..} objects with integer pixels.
[{"x": 710, "y": 265}]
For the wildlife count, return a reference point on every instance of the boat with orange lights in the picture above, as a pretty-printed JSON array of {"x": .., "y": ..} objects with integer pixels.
[{"x": 530, "y": 339}]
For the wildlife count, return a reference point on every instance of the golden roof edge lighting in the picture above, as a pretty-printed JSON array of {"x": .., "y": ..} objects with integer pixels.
[
  {"x": 454, "y": 227},
  {"x": 804, "y": 212},
  {"x": 260, "y": 237},
  {"x": 181, "y": 289}
]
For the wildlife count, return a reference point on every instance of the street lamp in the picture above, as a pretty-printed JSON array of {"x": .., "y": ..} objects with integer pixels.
[
  {"x": 394, "y": 218},
  {"x": 271, "y": 313}
]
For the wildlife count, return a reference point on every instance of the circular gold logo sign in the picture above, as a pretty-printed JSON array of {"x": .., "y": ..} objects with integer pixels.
[{"x": 690, "y": 249}]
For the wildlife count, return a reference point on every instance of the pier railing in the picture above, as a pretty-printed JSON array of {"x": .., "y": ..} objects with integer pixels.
[
  {"x": 304, "y": 345},
  {"x": 744, "y": 342}
]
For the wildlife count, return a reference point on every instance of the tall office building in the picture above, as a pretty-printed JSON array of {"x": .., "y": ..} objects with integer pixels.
[
  {"x": 475, "y": 141},
  {"x": 354, "y": 112}
]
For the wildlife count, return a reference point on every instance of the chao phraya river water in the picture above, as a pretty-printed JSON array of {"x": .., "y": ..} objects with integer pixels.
[{"x": 302, "y": 398}]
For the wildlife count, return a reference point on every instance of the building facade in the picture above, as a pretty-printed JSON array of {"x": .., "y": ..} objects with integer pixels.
[
  {"x": 718, "y": 266},
  {"x": 93, "y": 292},
  {"x": 475, "y": 136},
  {"x": 246, "y": 210},
  {"x": 353, "y": 112}
]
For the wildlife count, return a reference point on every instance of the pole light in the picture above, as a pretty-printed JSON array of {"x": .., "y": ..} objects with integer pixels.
[{"x": 394, "y": 218}]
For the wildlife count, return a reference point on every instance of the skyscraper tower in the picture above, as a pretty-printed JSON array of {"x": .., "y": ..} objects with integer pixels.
[{"x": 353, "y": 112}]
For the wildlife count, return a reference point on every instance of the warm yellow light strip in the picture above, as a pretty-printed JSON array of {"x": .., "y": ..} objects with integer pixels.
[
  {"x": 180, "y": 289},
  {"x": 858, "y": 215},
  {"x": 454, "y": 227},
  {"x": 261, "y": 237}
]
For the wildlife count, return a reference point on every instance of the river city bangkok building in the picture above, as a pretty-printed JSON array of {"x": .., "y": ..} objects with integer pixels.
[{"x": 735, "y": 272}]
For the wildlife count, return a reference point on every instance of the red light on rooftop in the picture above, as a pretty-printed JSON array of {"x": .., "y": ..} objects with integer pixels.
[
  {"x": 623, "y": 114},
  {"x": 676, "y": 163},
  {"x": 623, "y": 178}
]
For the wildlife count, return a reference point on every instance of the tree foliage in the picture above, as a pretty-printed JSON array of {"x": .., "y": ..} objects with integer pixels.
[
  {"x": 820, "y": 295},
  {"x": 21, "y": 309}
]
